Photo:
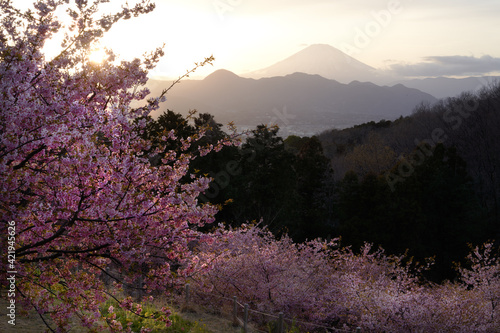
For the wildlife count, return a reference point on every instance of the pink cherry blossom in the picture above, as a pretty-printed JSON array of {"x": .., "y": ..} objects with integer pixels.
[
  {"x": 87, "y": 203},
  {"x": 321, "y": 284}
]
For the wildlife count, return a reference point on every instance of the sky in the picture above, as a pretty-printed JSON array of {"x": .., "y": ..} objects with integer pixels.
[{"x": 409, "y": 37}]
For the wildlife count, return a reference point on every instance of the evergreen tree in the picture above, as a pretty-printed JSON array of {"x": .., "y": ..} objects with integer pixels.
[
  {"x": 314, "y": 188},
  {"x": 432, "y": 212},
  {"x": 266, "y": 187}
]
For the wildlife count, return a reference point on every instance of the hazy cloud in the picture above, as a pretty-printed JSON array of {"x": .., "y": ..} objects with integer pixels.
[{"x": 449, "y": 65}]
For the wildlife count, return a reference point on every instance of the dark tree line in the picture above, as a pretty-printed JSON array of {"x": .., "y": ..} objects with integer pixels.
[{"x": 427, "y": 182}]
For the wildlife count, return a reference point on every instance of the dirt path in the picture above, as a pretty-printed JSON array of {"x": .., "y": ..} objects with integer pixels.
[{"x": 33, "y": 323}]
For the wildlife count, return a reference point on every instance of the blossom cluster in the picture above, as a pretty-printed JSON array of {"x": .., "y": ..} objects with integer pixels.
[
  {"x": 87, "y": 200},
  {"x": 323, "y": 284}
]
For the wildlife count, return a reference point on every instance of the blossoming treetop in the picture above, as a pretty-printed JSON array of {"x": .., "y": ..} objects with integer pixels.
[{"x": 73, "y": 175}]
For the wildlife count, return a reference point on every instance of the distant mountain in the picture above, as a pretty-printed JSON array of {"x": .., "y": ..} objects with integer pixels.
[
  {"x": 331, "y": 63},
  {"x": 441, "y": 87},
  {"x": 299, "y": 103},
  {"x": 320, "y": 59}
]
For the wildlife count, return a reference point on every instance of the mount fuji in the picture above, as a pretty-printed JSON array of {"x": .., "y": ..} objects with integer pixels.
[{"x": 323, "y": 60}]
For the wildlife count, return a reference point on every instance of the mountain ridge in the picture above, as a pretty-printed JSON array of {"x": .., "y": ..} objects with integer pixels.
[
  {"x": 332, "y": 63},
  {"x": 321, "y": 59},
  {"x": 298, "y": 102},
  {"x": 442, "y": 87}
]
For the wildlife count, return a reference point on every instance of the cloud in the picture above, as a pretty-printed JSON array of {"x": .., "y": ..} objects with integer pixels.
[{"x": 449, "y": 65}]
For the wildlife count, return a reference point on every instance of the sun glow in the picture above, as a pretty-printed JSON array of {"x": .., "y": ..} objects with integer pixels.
[{"x": 98, "y": 56}]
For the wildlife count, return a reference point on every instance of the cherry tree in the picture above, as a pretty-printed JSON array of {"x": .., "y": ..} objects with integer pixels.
[
  {"x": 268, "y": 274},
  {"x": 482, "y": 281},
  {"x": 325, "y": 285},
  {"x": 75, "y": 181}
]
